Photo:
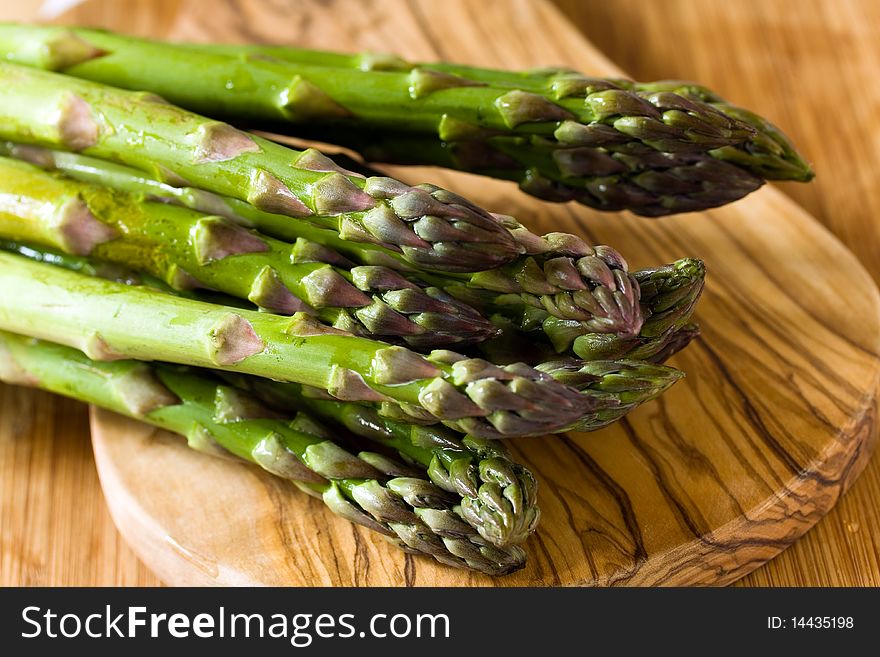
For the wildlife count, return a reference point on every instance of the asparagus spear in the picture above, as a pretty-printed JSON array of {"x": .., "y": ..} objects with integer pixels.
[
  {"x": 653, "y": 148},
  {"x": 188, "y": 250},
  {"x": 766, "y": 152},
  {"x": 497, "y": 493},
  {"x": 558, "y": 275},
  {"x": 409, "y": 511},
  {"x": 109, "y": 320},
  {"x": 649, "y": 382},
  {"x": 143, "y": 131}
]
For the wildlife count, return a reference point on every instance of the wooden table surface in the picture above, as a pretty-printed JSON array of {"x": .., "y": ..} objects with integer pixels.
[{"x": 54, "y": 526}]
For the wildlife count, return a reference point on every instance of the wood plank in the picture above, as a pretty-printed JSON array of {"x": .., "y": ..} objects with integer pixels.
[{"x": 54, "y": 525}]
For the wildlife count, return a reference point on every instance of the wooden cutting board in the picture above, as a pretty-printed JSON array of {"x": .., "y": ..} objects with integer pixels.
[{"x": 775, "y": 419}]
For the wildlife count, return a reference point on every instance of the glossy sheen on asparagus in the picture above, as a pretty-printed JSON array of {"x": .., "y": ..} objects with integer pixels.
[
  {"x": 364, "y": 488},
  {"x": 145, "y": 132},
  {"x": 190, "y": 250},
  {"x": 654, "y": 148},
  {"x": 111, "y": 320},
  {"x": 559, "y": 275}
]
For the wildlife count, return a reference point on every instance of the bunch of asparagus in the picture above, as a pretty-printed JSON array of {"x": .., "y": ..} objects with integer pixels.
[
  {"x": 270, "y": 305},
  {"x": 653, "y": 148}
]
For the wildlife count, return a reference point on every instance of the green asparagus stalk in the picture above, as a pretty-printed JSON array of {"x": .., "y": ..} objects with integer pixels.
[
  {"x": 143, "y": 131},
  {"x": 364, "y": 488},
  {"x": 113, "y": 272},
  {"x": 190, "y": 250},
  {"x": 607, "y": 177},
  {"x": 109, "y": 320},
  {"x": 766, "y": 153},
  {"x": 653, "y": 148},
  {"x": 498, "y": 495},
  {"x": 558, "y": 275}
]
